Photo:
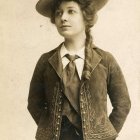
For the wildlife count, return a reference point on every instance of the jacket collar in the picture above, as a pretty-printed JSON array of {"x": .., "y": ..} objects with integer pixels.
[{"x": 56, "y": 61}]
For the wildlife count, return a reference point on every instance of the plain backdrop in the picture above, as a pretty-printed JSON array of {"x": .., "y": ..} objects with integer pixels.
[{"x": 25, "y": 35}]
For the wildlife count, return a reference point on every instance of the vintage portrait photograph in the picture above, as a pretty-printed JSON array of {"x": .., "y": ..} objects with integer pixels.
[{"x": 70, "y": 70}]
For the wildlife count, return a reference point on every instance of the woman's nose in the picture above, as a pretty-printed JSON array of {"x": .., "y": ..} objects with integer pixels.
[{"x": 64, "y": 17}]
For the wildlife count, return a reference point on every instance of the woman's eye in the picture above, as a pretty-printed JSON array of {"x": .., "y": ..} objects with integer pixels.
[{"x": 71, "y": 11}]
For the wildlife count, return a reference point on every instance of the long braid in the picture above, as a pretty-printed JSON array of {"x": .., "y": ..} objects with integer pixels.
[{"x": 88, "y": 55}]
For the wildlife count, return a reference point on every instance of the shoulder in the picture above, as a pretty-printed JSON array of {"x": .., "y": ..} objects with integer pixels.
[
  {"x": 108, "y": 60},
  {"x": 105, "y": 55},
  {"x": 45, "y": 56}
]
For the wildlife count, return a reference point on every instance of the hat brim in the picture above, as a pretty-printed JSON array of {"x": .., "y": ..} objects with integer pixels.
[
  {"x": 44, "y": 6},
  {"x": 99, "y": 4}
]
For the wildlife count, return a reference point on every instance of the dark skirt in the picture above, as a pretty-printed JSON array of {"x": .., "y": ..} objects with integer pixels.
[{"x": 69, "y": 131}]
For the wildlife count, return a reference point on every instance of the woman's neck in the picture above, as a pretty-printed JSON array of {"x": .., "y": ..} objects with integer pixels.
[{"x": 75, "y": 43}]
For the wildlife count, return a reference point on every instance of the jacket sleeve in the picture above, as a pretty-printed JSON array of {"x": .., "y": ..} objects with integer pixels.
[
  {"x": 118, "y": 94},
  {"x": 36, "y": 92}
]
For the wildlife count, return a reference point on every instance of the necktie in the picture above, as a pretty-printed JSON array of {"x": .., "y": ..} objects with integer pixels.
[
  {"x": 71, "y": 82},
  {"x": 70, "y": 69}
]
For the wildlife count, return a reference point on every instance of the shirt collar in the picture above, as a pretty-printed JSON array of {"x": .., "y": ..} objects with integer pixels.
[{"x": 64, "y": 51}]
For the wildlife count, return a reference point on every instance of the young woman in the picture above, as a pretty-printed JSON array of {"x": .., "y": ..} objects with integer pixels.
[{"x": 70, "y": 84}]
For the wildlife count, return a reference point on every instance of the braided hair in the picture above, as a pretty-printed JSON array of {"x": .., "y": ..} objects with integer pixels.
[{"x": 90, "y": 17}]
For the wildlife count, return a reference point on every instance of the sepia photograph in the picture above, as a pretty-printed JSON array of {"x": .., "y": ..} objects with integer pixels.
[{"x": 70, "y": 70}]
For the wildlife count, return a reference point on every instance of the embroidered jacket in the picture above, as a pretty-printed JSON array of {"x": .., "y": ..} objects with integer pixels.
[{"x": 45, "y": 99}]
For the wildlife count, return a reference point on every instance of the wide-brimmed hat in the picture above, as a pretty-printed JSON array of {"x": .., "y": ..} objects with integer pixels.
[{"x": 44, "y": 6}]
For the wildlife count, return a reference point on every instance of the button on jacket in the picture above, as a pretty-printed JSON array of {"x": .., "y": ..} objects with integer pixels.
[{"x": 45, "y": 99}]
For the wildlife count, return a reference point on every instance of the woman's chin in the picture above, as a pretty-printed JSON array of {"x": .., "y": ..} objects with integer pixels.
[{"x": 66, "y": 34}]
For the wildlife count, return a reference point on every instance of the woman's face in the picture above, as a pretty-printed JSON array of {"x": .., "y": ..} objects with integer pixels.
[{"x": 69, "y": 19}]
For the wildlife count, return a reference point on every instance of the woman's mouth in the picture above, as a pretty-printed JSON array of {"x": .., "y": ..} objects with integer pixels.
[{"x": 64, "y": 26}]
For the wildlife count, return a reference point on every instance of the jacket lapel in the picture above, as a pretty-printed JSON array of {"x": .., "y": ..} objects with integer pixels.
[
  {"x": 94, "y": 59},
  {"x": 56, "y": 62}
]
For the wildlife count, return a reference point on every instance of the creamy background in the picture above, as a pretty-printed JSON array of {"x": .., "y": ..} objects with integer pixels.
[{"x": 25, "y": 35}]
